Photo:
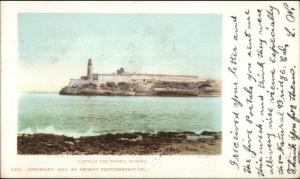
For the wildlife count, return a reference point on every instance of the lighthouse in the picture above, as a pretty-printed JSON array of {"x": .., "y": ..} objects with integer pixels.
[{"x": 89, "y": 70}]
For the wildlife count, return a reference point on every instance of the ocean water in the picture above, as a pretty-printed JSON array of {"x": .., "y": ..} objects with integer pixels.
[{"x": 92, "y": 115}]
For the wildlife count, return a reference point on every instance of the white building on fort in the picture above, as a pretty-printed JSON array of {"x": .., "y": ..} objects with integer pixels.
[{"x": 122, "y": 76}]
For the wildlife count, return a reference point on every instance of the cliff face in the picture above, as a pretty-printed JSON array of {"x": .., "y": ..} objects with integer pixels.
[{"x": 160, "y": 88}]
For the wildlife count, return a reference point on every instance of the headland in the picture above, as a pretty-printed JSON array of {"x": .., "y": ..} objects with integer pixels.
[{"x": 123, "y": 83}]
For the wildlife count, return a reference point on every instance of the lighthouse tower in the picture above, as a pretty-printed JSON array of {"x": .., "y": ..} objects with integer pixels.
[{"x": 89, "y": 70}]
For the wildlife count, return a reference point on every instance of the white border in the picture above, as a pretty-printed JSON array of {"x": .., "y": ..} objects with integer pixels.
[{"x": 157, "y": 166}]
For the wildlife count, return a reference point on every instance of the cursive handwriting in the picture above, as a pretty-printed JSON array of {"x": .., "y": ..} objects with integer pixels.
[{"x": 265, "y": 122}]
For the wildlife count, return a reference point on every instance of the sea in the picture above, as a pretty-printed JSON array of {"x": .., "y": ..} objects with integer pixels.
[{"x": 95, "y": 115}]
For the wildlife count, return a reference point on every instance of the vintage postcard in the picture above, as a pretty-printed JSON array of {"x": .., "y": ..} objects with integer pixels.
[
  {"x": 134, "y": 88},
  {"x": 150, "y": 89}
]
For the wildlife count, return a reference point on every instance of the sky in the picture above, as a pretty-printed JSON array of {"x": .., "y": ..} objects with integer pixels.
[{"x": 54, "y": 47}]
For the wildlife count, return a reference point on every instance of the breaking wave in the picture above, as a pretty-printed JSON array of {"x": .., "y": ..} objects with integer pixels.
[{"x": 52, "y": 130}]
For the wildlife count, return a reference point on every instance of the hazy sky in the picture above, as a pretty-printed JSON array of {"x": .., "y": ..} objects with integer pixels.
[{"x": 54, "y": 47}]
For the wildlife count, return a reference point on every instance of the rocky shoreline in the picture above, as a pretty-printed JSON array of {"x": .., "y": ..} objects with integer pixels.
[
  {"x": 161, "y": 143},
  {"x": 145, "y": 89}
]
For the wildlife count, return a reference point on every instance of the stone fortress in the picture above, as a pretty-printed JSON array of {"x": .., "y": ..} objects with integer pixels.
[
  {"x": 134, "y": 84},
  {"x": 122, "y": 76}
]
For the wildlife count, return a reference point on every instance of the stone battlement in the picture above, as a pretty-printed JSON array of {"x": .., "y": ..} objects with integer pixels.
[
  {"x": 131, "y": 84},
  {"x": 122, "y": 76}
]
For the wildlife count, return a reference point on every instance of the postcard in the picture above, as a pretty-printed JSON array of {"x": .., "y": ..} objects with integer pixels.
[{"x": 150, "y": 89}]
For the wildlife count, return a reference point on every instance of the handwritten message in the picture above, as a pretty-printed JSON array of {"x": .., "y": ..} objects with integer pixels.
[{"x": 263, "y": 65}]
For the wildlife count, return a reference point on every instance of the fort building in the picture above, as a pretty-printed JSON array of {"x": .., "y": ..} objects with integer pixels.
[{"x": 122, "y": 76}]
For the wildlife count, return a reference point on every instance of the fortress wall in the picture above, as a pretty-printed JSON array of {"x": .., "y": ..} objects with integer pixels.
[
  {"x": 142, "y": 77},
  {"x": 175, "y": 78},
  {"x": 103, "y": 78},
  {"x": 77, "y": 82},
  {"x": 179, "y": 79},
  {"x": 113, "y": 78},
  {"x": 129, "y": 78}
]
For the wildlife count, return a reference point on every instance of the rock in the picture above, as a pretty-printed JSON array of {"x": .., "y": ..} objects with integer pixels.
[
  {"x": 198, "y": 137},
  {"x": 137, "y": 139},
  {"x": 117, "y": 144},
  {"x": 208, "y": 133},
  {"x": 149, "y": 88},
  {"x": 69, "y": 142}
]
